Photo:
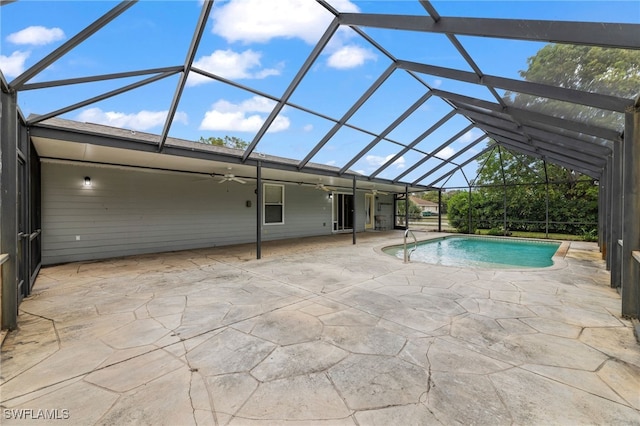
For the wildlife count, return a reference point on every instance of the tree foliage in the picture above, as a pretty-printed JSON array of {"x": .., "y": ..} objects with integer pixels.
[
  {"x": 228, "y": 141},
  {"x": 608, "y": 71},
  {"x": 573, "y": 198}
]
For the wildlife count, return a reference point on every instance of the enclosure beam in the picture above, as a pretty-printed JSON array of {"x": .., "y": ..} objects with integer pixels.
[
  {"x": 388, "y": 130},
  {"x": 435, "y": 151},
  {"x": 8, "y": 207},
  {"x": 354, "y": 108},
  {"x": 415, "y": 142},
  {"x": 610, "y": 103},
  {"x": 191, "y": 54},
  {"x": 529, "y": 118},
  {"x": 331, "y": 29},
  {"x": 631, "y": 213},
  {"x": 95, "y": 78},
  {"x": 72, "y": 43},
  {"x": 624, "y": 36}
]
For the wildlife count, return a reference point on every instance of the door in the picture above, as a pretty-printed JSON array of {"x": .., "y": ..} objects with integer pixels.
[
  {"x": 369, "y": 211},
  {"x": 342, "y": 212}
]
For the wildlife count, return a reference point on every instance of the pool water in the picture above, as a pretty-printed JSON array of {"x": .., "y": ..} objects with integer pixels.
[{"x": 481, "y": 252}]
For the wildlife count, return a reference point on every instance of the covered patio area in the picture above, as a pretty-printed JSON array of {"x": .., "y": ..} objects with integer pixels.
[{"x": 321, "y": 331}]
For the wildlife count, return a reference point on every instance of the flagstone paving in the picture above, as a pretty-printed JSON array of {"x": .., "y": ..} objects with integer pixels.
[{"x": 320, "y": 332}]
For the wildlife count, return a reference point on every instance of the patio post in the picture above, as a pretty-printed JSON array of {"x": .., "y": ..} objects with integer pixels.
[
  {"x": 406, "y": 207},
  {"x": 546, "y": 199},
  {"x": 259, "y": 210},
  {"x": 440, "y": 210},
  {"x": 602, "y": 208},
  {"x": 8, "y": 208},
  {"x": 616, "y": 216},
  {"x": 631, "y": 212},
  {"x": 353, "y": 218}
]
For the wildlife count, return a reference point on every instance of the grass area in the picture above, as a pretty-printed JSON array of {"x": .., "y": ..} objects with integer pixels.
[{"x": 539, "y": 235}]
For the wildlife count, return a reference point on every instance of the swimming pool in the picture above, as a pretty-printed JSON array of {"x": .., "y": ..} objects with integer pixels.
[{"x": 487, "y": 252}]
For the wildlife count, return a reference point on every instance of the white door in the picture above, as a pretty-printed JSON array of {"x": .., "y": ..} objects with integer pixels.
[{"x": 369, "y": 209}]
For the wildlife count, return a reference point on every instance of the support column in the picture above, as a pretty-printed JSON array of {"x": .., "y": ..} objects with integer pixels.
[
  {"x": 259, "y": 210},
  {"x": 603, "y": 205},
  {"x": 607, "y": 214},
  {"x": 631, "y": 214},
  {"x": 440, "y": 210},
  {"x": 546, "y": 199},
  {"x": 8, "y": 207},
  {"x": 616, "y": 216},
  {"x": 406, "y": 207},
  {"x": 353, "y": 218},
  {"x": 504, "y": 194}
]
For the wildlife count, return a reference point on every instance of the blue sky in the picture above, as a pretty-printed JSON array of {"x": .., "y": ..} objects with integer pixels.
[{"x": 262, "y": 44}]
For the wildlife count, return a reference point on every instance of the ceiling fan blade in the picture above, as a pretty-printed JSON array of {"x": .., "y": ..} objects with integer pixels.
[{"x": 238, "y": 180}]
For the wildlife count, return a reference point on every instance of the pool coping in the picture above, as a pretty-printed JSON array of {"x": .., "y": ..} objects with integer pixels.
[{"x": 558, "y": 258}]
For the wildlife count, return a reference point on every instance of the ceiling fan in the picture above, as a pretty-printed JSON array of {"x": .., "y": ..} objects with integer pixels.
[
  {"x": 376, "y": 192},
  {"x": 322, "y": 187},
  {"x": 228, "y": 177}
]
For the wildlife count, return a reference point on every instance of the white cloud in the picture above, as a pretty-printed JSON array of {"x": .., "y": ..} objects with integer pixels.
[
  {"x": 436, "y": 83},
  {"x": 232, "y": 65},
  {"x": 242, "y": 117},
  {"x": 142, "y": 120},
  {"x": 331, "y": 163},
  {"x": 377, "y": 161},
  {"x": 260, "y": 21},
  {"x": 350, "y": 56},
  {"x": 446, "y": 152},
  {"x": 13, "y": 66},
  {"x": 308, "y": 127},
  {"x": 36, "y": 35},
  {"x": 470, "y": 136}
]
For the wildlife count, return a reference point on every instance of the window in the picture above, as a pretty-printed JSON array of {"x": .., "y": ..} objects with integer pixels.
[{"x": 273, "y": 204}]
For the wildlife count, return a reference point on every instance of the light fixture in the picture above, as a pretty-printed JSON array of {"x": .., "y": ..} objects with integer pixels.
[
  {"x": 331, "y": 195},
  {"x": 87, "y": 181}
]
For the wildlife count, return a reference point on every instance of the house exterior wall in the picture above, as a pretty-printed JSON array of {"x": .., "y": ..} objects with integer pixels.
[{"x": 133, "y": 211}]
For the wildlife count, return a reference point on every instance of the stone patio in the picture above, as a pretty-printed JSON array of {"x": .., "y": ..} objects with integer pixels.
[{"x": 320, "y": 332}]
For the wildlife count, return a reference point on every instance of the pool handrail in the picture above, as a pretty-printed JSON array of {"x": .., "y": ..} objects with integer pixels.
[{"x": 407, "y": 254}]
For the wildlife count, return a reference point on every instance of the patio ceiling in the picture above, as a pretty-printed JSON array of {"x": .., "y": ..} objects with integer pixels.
[{"x": 581, "y": 146}]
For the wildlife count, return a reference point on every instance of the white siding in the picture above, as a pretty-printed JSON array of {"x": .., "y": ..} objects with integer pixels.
[{"x": 128, "y": 211}]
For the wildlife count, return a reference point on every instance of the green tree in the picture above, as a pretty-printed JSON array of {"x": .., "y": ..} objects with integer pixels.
[
  {"x": 573, "y": 198},
  {"x": 228, "y": 141},
  {"x": 458, "y": 208},
  {"x": 588, "y": 68}
]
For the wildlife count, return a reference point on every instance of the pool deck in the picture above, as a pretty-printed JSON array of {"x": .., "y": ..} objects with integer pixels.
[{"x": 321, "y": 332}]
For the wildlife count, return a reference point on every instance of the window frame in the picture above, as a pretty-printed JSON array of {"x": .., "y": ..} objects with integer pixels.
[{"x": 265, "y": 203}]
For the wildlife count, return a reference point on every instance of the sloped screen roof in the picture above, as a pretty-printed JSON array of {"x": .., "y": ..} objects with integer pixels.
[{"x": 403, "y": 92}]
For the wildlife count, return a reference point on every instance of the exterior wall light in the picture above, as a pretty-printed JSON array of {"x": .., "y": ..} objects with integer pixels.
[
  {"x": 331, "y": 196},
  {"x": 87, "y": 182}
]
